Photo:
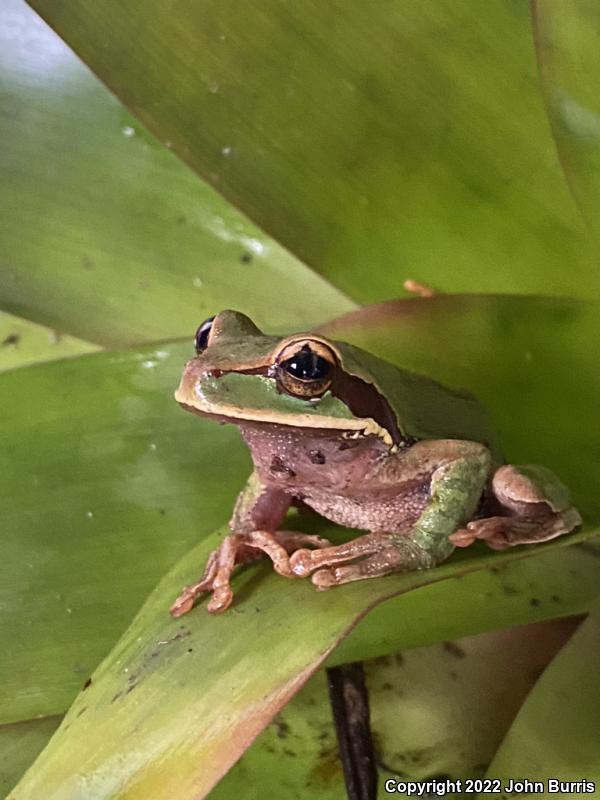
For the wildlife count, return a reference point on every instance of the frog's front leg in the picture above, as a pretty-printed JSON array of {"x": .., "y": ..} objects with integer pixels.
[
  {"x": 533, "y": 506},
  {"x": 456, "y": 487},
  {"x": 258, "y": 511}
]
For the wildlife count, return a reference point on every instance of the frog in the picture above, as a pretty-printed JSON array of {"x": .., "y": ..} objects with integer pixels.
[{"x": 414, "y": 465}]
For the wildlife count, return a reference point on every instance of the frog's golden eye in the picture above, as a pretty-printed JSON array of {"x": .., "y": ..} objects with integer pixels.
[
  {"x": 305, "y": 369},
  {"x": 202, "y": 335}
]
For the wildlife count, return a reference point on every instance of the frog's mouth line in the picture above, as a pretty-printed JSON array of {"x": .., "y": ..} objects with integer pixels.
[
  {"x": 234, "y": 414},
  {"x": 361, "y": 397},
  {"x": 374, "y": 416}
]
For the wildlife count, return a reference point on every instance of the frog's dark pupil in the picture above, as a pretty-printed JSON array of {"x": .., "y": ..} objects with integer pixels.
[
  {"x": 307, "y": 366},
  {"x": 202, "y": 334}
]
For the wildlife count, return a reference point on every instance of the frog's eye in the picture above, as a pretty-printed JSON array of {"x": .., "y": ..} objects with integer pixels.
[
  {"x": 203, "y": 334},
  {"x": 305, "y": 369}
]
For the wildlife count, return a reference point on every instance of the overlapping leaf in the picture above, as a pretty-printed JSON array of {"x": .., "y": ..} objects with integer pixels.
[
  {"x": 569, "y": 63},
  {"x": 124, "y": 399},
  {"x": 104, "y": 234},
  {"x": 153, "y": 718},
  {"x": 23, "y": 342},
  {"x": 376, "y": 142},
  {"x": 555, "y": 734}
]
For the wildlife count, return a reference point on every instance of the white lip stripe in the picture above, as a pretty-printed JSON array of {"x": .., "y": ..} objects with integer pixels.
[{"x": 366, "y": 426}]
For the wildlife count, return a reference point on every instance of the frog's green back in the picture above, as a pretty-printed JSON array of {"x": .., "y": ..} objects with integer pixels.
[{"x": 423, "y": 407}]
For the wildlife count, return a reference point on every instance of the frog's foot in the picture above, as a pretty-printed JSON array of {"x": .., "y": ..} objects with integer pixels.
[
  {"x": 536, "y": 505},
  {"x": 237, "y": 549},
  {"x": 293, "y": 540},
  {"x": 384, "y": 562},
  {"x": 304, "y": 562},
  {"x": 370, "y": 556},
  {"x": 503, "y": 532}
]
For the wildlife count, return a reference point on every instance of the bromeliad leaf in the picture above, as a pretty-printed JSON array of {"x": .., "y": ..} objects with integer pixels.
[
  {"x": 106, "y": 235},
  {"x": 392, "y": 138},
  {"x": 178, "y": 701},
  {"x": 536, "y": 747},
  {"x": 159, "y": 696}
]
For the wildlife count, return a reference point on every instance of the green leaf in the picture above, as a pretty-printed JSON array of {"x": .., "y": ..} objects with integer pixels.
[
  {"x": 569, "y": 62},
  {"x": 553, "y": 584},
  {"x": 20, "y": 744},
  {"x": 105, "y": 234},
  {"x": 114, "y": 407},
  {"x": 529, "y": 359},
  {"x": 23, "y": 342},
  {"x": 377, "y": 143},
  {"x": 437, "y": 710},
  {"x": 153, "y": 717},
  {"x": 555, "y": 735},
  {"x": 106, "y": 483}
]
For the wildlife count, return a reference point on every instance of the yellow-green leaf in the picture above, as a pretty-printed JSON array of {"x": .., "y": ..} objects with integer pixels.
[
  {"x": 555, "y": 735},
  {"x": 105, "y": 234},
  {"x": 375, "y": 141}
]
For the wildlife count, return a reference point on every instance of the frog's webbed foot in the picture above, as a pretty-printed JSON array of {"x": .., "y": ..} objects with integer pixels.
[
  {"x": 368, "y": 556},
  {"x": 536, "y": 505},
  {"x": 502, "y": 532},
  {"x": 293, "y": 540},
  {"x": 237, "y": 549}
]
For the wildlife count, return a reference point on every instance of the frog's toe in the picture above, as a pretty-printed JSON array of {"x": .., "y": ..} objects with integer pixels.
[
  {"x": 377, "y": 565},
  {"x": 304, "y": 562},
  {"x": 294, "y": 540},
  {"x": 502, "y": 532},
  {"x": 324, "y": 579},
  {"x": 182, "y": 605},
  {"x": 220, "y": 600},
  {"x": 462, "y": 538},
  {"x": 301, "y": 563}
]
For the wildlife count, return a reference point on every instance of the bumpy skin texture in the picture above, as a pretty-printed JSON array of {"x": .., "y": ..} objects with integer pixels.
[
  {"x": 366, "y": 454},
  {"x": 415, "y": 503}
]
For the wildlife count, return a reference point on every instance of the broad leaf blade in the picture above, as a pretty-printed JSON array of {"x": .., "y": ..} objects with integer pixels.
[
  {"x": 105, "y": 484},
  {"x": 402, "y": 140},
  {"x": 101, "y": 435},
  {"x": 178, "y": 701},
  {"x": 237, "y": 652},
  {"x": 20, "y": 744},
  {"x": 569, "y": 64},
  {"x": 437, "y": 710},
  {"x": 553, "y": 584},
  {"x": 555, "y": 735},
  {"x": 23, "y": 342},
  {"x": 104, "y": 233},
  {"x": 528, "y": 359}
]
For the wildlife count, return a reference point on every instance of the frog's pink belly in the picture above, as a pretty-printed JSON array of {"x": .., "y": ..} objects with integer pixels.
[{"x": 395, "y": 514}]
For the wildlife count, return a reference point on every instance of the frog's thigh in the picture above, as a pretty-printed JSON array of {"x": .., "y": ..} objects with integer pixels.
[
  {"x": 534, "y": 507},
  {"x": 456, "y": 487}
]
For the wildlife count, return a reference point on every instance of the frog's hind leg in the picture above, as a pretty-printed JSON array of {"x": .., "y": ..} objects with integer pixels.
[
  {"x": 456, "y": 487},
  {"x": 534, "y": 506}
]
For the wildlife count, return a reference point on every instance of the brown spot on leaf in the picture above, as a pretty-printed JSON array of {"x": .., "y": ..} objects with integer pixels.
[
  {"x": 281, "y": 727},
  {"x": 11, "y": 340},
  {"x": 454, "y": 650}
]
